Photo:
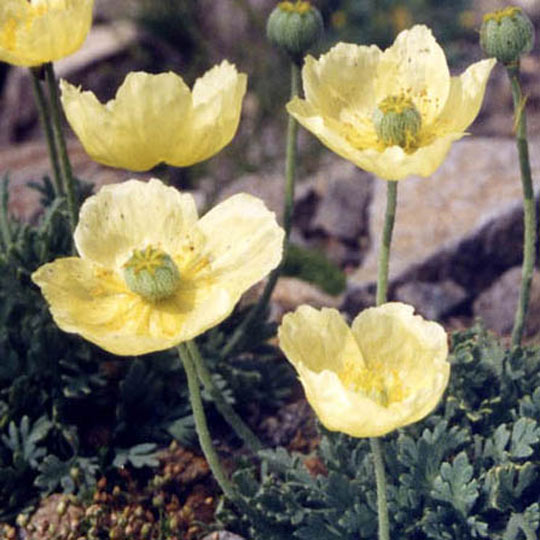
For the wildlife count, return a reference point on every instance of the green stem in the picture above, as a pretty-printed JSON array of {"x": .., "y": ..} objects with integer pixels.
[
  {"x": 382, "y": 506},
  {"x": 45, "y": 121},
  {"x": 384, "y": 254},
  {"x": 5, "y": 229},
  {"x": 201, "y": 426},
  {"x": 65, "y": 165},
  {"x": 529, "y": 206},
  {"x": 288, "y": 208},
  {"x": 224, "y": 408},
  {"x": 382, "y": 291}
]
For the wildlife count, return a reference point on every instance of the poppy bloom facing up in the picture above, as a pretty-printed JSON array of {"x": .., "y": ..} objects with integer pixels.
[
  {"x": 393, "y": 113},
  {"x": 151, "y": 274}
]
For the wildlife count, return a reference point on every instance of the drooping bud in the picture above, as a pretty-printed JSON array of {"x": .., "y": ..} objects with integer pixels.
[
  {"x": 295, "y": 27},
  {"x": 397, "y": 122},
  {"x": 151, "y": 274},
  {"x": 507, "y": 34}
]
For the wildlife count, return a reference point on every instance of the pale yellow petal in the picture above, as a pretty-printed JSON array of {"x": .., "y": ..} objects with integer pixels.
[
  {"x": 86, "y": 299},
  {"x": 134, "y": 214},
  {"x": 138, "y": 129},
  {"x": 393, "y": 163},
  {"x": 34, "y": 33},
  {"x": 242, "y": 241},
  {"x": 318, "y": 340},
  {"x": 396, "y": 164},
  {"x": 415, "y": 65},
  {"x": 93, "y": 124},
  {"x": 341, "y": 410},
  {"x": 152, "y": 112},
  {"x": 342, "y": 79},
  {"x": 217, "y": 105},
  {"x": 393, "y": 336},
  {"x": 465, "y": 98}
]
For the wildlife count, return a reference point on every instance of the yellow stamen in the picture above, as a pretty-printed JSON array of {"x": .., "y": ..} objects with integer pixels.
[
  {"x": 377, "y": 382},
  {"x": 300, "y": 6},
  {"x": 500, "y": 14}
]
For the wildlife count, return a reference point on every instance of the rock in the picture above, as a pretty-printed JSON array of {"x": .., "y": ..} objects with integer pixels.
[
  {"x": 30, "y": 162},
  {"x": 330, "y": 211},
  {"x": 223, "y": 535},
  {"x": 463, "y": 224},
  {"x": 432, "y": 300},
  {"x": 292, "y": 292},
  {"x": 497, "y": 304},
  {"x": 267, "y": 186}
]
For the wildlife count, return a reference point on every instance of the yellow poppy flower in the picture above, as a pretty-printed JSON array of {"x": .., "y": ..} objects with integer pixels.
[
  {"x": 39, "y": 31},
  {"x": 388, "y": 370},
  {"x": 156, "y": 118},
  {"x": 393, "y": 113},
  {"x": 151, "y": 274}
]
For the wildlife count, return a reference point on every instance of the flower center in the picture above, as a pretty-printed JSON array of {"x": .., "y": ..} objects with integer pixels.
[
  {"x": 300, "y": 6},
  {"x": 378, "y": 382},
  {"x": 500, "y": 14},
  {"x": 397, "y": 122},
  {"x": 151, "y": 274}
]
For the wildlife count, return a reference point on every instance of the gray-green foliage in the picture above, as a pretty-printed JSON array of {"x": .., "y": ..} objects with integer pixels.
[
  {"x": 70, "y": 411},
  {"x": 468, "y": 471}
]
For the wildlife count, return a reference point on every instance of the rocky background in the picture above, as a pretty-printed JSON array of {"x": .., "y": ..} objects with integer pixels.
[{"x": 458, "y": 238}]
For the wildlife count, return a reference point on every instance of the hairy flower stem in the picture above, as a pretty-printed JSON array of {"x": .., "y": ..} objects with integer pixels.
[
  {"x": 201, "y": 426},
  {"x": 380, "y": 478},
  {"x": 529, "y": 205},
  {"x": 65, "y": 165},
  {"x": 382, "y": 290},
  {"x": 384, "y": 253},
  {"x": 290, "y": 173},
  {"x": 239, "y": 426},
  {"x": 45, "y": 121}
]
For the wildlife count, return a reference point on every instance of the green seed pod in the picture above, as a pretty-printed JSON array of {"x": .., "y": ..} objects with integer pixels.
[
  {"x": 397, "y": 122},
  {"x": 295, "y": 27},
  {"x": 507, "y": 34},
  {"x": 152, "y": 274}
]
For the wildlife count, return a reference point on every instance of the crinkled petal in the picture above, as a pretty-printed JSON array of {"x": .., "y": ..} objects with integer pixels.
[
  {"x": 392, "y": 335},
  {"x": 391, "y": 164},
  {"x": 139, "y": 128},
  {"x": 348, "y": 412},
  {"x": 133, "y": 215},
  {"x": 465, "y": 98},
  {"x": 34, "y": 33},
  {"x": 319, "y": 340},
  {"x": 217, "y": 104},
  {"x": 242, "y": 241},
  {"x": 86, "y": 299},
  {"x": 415, "y": 65},
  {"x": 342, "y": 80}
]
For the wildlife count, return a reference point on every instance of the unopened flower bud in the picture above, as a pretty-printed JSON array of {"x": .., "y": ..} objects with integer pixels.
[
  {"x": 507, "y": 34},
  {"x": 295, "y": 27}
]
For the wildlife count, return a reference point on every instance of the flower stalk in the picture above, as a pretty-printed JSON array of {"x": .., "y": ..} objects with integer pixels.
[
  {"x": 45, "y": 121},
  {"x": 288, "y": 207},
  {"x": 529, "y": 204},
  {"x": 384, "y": 253},
  {"x": 382, "y": 293},
  {"x": 65, "y": 165},
  {"x": 380, "y": 479},
  {"x": 201, "y": 425},
  {"x": 226, "y": 411}
]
